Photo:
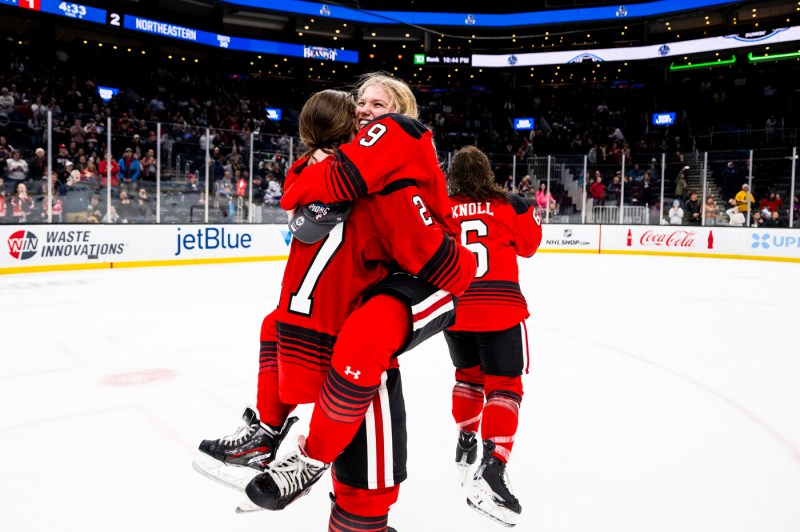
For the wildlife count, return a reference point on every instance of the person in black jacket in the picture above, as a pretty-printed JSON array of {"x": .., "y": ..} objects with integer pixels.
[
  {"x": 692, "y": 209},
  {"x": 76, "y": 199}
]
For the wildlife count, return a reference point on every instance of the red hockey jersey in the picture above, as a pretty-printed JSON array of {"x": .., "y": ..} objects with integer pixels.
[
  {"x": 389, "y": 148},
  {"x": 496, "y": 231},
  {"x": 323, "y": 282}
]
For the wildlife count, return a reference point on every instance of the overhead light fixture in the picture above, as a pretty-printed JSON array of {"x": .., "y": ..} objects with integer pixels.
[
  {"x": 774, "y": 57},
  {"x": 719, "y": 62}
]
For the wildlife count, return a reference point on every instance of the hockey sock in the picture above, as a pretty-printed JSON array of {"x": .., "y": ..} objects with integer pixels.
[
  {"x": 272, "y": 411},
  {"x": 342, "y": 521},
  {"x": 468, "y": 398},
  {"x": 362, "y": 353},
  {"x": 361, "y": 509},
  {"x": 501, "y": 413}
]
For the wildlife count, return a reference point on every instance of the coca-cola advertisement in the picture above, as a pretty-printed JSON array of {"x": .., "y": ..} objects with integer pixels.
[
  {"x": 660, "y": 239},
  {"x": 674, "y": 238}
]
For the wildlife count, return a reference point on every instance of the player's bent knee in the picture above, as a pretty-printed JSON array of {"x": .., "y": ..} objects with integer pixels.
[
  {"x": 472, "y": 375},
  {"x": 496, "y": 383},
  {"x": 360, "y": 501}
]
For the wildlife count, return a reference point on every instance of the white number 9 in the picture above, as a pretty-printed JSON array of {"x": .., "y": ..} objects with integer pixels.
[{"x": 374, "y": 133}]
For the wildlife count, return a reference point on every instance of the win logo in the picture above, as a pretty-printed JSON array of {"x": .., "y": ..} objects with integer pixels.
[
  {"x": 760, "y": 240},
  {"x": 22, "y": 245}
]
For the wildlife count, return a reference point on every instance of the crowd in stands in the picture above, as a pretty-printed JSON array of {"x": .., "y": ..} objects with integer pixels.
[{"x": 606, "y": 122}]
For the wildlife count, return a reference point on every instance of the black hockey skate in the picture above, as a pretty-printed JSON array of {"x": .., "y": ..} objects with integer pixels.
[
  {"x": 253, "y": 446},
  {"x": 286, "y": 480},
  {"x": 466, "y": 454},
  {"x": 491, "y": 493}
]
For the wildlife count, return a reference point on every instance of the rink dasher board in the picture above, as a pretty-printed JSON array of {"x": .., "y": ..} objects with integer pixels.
[{"x": 33, "y": 248}]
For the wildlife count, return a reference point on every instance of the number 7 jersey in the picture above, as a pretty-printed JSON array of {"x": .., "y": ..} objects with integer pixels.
[
  {"x": 323, "y": 282},
  {"x": 496, "y": 231}
]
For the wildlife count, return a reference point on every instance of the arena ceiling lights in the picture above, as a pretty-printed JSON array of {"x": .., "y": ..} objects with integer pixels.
[
  {"x": 640, "y": 53},
  {"x": 480, "y": 20}
]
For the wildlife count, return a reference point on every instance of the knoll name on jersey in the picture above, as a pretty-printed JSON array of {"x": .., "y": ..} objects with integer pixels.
[{"x": 471, "y": 209}]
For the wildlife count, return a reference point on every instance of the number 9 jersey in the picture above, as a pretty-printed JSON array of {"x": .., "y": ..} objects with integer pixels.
[
  {"x": 324, "y": 282},
  {"x": 496, "y": 231}
]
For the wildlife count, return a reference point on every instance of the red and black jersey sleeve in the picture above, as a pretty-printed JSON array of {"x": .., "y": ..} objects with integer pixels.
[
  {"x": 390, "y": 148},
  {"x": 410, "y": 237},
  {"x": 527, "y": 227}
]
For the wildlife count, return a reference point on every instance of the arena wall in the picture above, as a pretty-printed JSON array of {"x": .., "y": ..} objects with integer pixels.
[{"x": 35, "y": 248}]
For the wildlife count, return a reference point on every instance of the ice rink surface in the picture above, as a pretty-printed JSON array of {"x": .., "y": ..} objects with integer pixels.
[{"x": 664, "y": 396}]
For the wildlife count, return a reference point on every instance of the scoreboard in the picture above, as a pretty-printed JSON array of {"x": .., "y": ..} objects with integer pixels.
[{"x": 174, "y": 31}]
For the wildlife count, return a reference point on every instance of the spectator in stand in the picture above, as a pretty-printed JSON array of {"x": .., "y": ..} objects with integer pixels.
[
  {"x": 693, "y": 214},
  {"x": 136, "y": 146},
  {"x": 543, "y": 198},
  {"x": 274, "y": 192},
  {"x": 3, "y": 203},
  {"x": 17, "y": 168},
  {"x": 597, "y": 191},
  {"x": 525, "y": 187},
  {"x": 62, "y": 160},
  {"x": 710, "y": 211},
  {"x": 144, "y": 207},
  {"x": 731, "y": 180},
  {"x": 676, "y": 213},
  {"x": 148, "y": 166},
  {"x": 90, "y": 172},
  {"x": 91, "y": 134},
  {"x": 650, "y": 193},
  {"x": 96, "y": 209},
  {"x": 76, "y": 199},
  {"x": 22, "y": 204},
  {"x": 735, "y": 216},
  {"x": 744, "y": 199},
  {"x": 129, "y": 170},
  {"x": 103, "y": 171},
  {"x": 56, "y": 191},
  {"x": 125, "y": 209},
  {"x": 680, "y": 184},
  {"x": 614, "y": 189},
  {"x": 37, "y": 167},
  {"x": 111, "y": 216},
  {"x": 6, "y": 101},
  {"x": 796, "y": 212},
  {"x": 758, "y": 219},
  {"x": 774, "y": 220},
  {"x": 773, "y": 202},
  {"x": 69, "y": 166},
  {"x": 77, "y": 134}
]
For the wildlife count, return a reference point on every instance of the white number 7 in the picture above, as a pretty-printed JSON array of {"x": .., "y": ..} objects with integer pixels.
[{"x": 301, "y": 301}]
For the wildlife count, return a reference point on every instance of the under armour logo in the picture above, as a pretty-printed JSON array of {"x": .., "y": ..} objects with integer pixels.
[
  {"x": 355, "y": 374},
  {"x": 760, "y": 240}
]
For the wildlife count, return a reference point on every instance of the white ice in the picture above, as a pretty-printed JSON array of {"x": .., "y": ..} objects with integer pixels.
[{"x": 663, "y": 396}]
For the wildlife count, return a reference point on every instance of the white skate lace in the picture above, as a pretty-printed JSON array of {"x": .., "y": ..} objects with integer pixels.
[
  {"x": 292, "y": 474},
  {"x": 241, "y": 434}
]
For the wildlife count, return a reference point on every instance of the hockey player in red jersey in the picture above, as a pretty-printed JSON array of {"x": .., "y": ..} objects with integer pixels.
[
  {"x": 488, "y": 343},
  {"x": 324, "y": 282},
  {"x": 386, "y": 110},
  {"x": 390, "y": 146}
]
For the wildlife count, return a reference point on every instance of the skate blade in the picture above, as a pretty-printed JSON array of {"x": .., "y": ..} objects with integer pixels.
[
  {"x": 484, "y": 505},
  {"x": 248, "y": 507},
  {"x": 233, "y": 477}
]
